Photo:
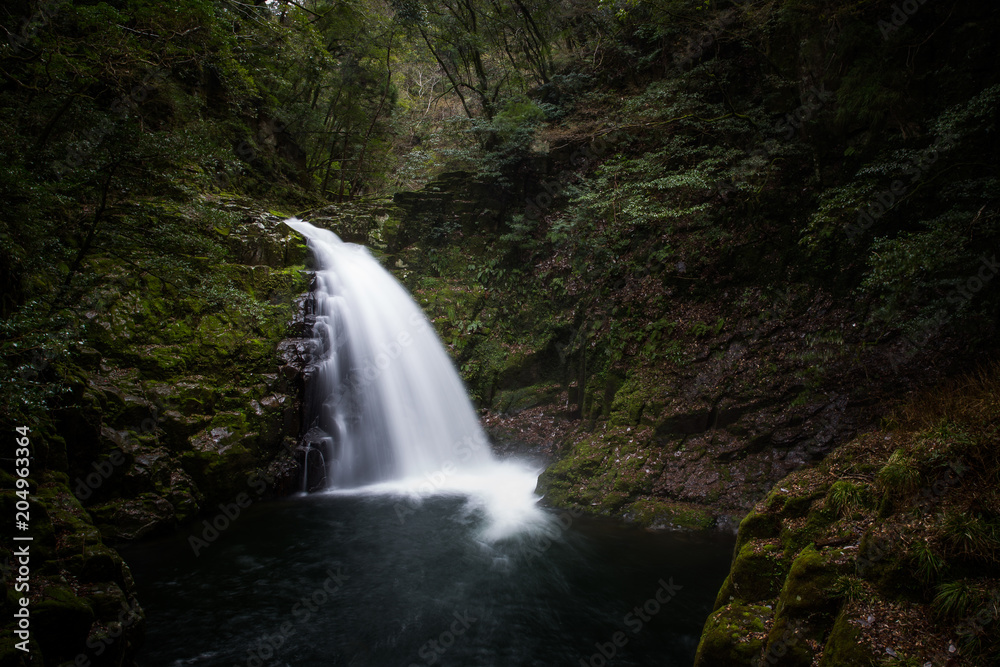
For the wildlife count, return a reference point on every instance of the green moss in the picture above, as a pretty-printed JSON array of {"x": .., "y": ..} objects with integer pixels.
[
  {"x": 787, "y": 643},
  {"x": 638, "y": 399},
  {"x": 653, "y": 512},
  {"x": 808, "y": 588},
  {"x": 797, "y": 506},
  {"x": 579, "y": 465},
  {"x": 67, "y": 517},
  {"x": 518, "y": 400},
  {"x": 882, "y": 561},
  {"x": 843, "y": 648},
  {"x": 757, "y": 574},
  {"x": 756, "y": 526},
  {"x": 96, "y": 563},
  {"x": 733, "y": 635}
]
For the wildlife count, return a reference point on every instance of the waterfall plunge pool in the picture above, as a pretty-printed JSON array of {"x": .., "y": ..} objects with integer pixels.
[{"x": 350, "y": 579}]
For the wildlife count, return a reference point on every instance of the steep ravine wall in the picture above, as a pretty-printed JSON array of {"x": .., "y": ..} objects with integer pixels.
[
  {"x": 174, "y": 406},
  {"x": 884, "y": 553}
]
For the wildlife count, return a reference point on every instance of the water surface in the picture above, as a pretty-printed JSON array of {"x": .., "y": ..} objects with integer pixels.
[{"x": 382, "y": 580}]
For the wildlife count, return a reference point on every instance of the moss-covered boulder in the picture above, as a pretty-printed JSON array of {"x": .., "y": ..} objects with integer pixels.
[
  {"x": 61, "y": 620},
  {"x": 733, "y": 635},
  {"x": 861, "y": 566},
  {"x": 757, "y": 573},
  {"x": 809, "y": 586},
  {"x": 843, "y": 646}
]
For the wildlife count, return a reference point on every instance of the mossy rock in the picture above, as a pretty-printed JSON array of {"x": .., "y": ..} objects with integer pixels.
[
  {"x": 179, "y": 427},
  {"x": 11, "y": 656},
  {"x": 733, "y": 636},
  {"x": 68, "y": 519},
  {"x": 162, "y": 361},
  {"x": 220, "y": 475},
  {"x": 882, "y": 561},
  {"x": 98, "y": 564},
  {"x": 843, "y": 648},
  {"x": 518, "y": 400},
  {"x": 807, "y": 590},
  {"x": 635, "y": 401},
  {"x": 193, "y": 395},
  {"x": 133, "y": 518},
  {"x": 656, "y": 513},
  {"x": 816, "y": 525},
  {"x": 578, "y": 466},
  {"x": 757, "y": 526},
  {"x": 799, "y": 506},
  {"x": 61, "y": 622},
  {"x": 789, "y": 643},
  {"x": 613, "y": 501},
  {"x": 107, "y": 600},
  {"x": 756, "y": 575}
]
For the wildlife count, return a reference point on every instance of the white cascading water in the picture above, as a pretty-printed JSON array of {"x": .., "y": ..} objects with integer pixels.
[{"x": 389, "y": 409}]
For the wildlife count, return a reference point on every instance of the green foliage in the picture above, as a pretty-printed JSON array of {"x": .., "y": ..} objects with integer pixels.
[
  {"x": 953, "y": 599},
  {"x": 973, "y": 535},
  {"x": 851, "y": 588},
  {"x": 930, "y": 565},
  {"x": 900, "y": 475},
  {"x": 846, "y": 498}
]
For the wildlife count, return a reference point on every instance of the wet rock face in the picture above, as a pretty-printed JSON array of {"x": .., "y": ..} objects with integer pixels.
[
  {"x": 716, "y": 427},
  {"x": 259, "y": 239},
  {"x": 717, "y": 431},
  {"x": 855, "y": 557},
  {"x": 82, "y": 593},
  {"x": 182, "y": 446},
  {"x": 175, "y": 406},
  {"x": 153, "y": 445}
]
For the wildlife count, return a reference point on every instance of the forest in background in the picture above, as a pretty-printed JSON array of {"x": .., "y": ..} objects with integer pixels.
[{"x": 117, "y": 115}]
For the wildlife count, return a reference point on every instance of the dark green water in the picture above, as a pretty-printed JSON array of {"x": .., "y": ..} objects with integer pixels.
[{"x": 342, "y": 580}]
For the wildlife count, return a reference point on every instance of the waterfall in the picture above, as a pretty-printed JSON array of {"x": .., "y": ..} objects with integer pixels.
[{"x": 384, "y": 403}]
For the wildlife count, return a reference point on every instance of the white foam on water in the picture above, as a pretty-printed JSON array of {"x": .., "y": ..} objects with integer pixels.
[{"x": 390, "y": 406}]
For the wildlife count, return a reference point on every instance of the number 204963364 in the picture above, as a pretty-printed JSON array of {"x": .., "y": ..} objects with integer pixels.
[{"x": 22, "y": 468}]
